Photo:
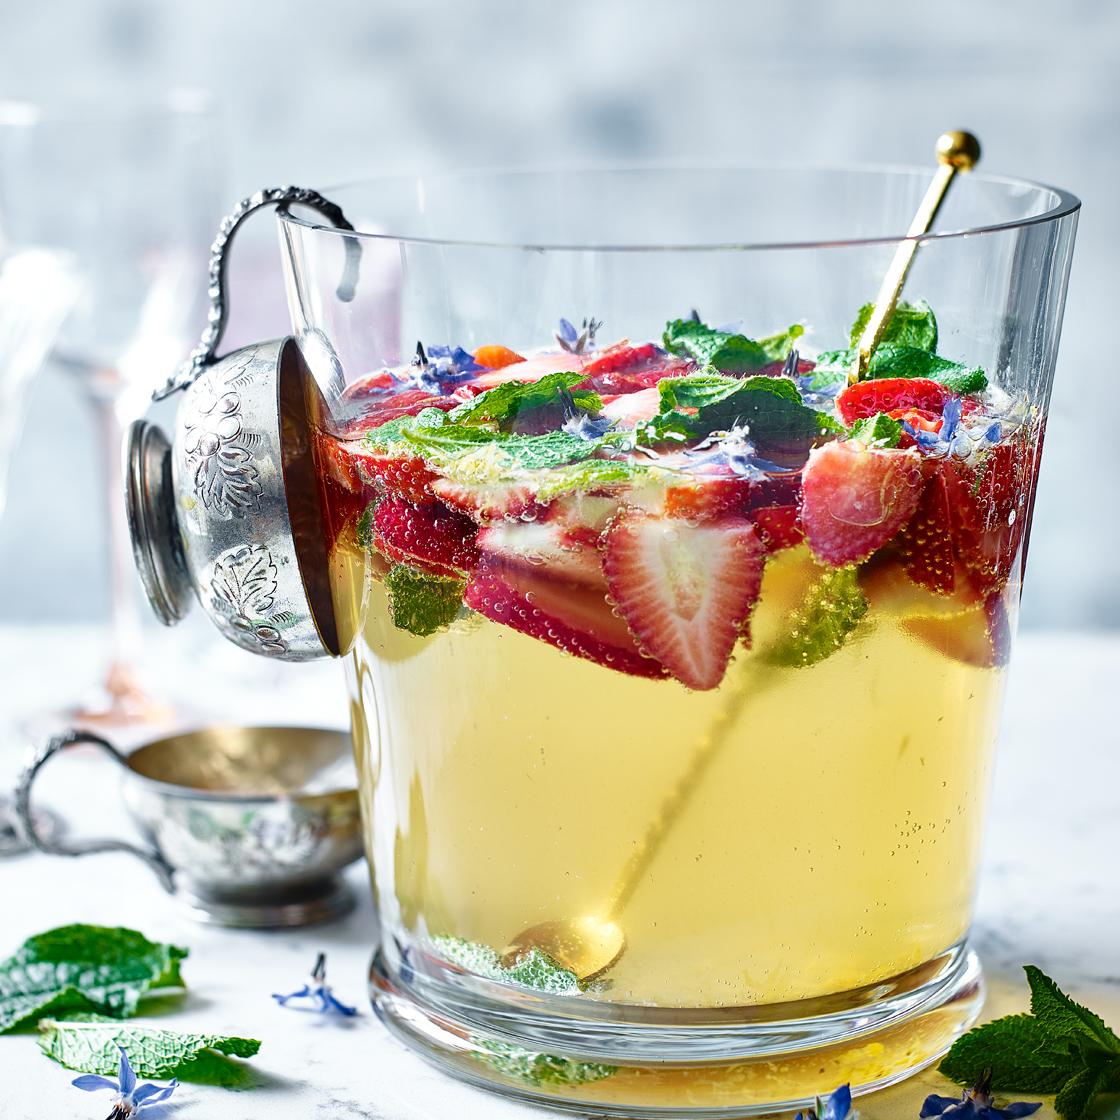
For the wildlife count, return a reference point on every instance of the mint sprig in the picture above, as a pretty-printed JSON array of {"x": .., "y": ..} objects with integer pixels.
[
  {"x": 725, "y": 351},
  {"x": 534, "y": 969},
  {"x": 889, "y": 360},
  {"x": 910, "y": 324},
  {"x": 534, "y": 1068},
  {"x": 770, "y": 407},
  {"x": 1060, "y": 1047},
  {"x": 80, "y": 968},
  {"x": 877, "y": 431},
  {"x": 505, "y": 403},
  {"x": 89, "y": 1043},
  {"x": 827, "y": 618}
]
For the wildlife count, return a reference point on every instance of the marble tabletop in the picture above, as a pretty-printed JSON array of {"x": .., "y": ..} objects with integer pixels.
[{"x": 1050, "y": 892}]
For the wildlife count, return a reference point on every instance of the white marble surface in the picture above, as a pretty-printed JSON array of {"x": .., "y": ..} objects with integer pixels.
[{"x": 1050, "y": 892}]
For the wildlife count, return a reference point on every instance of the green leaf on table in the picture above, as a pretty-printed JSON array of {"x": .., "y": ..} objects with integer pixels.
[
  {"x": 503, "y": 404},
  {"x": 534, "y": 969},
  {"x": 422, "y": 603},
  {"x": 89, "y": 1043},
  {"x": 877, "y": 431},
  {"x": 910, "y": 324},
  {"x": 725, "y": 351},
  {"x": 831, "y": 611},
  {"x": 84, "y": 968},
  {"x": 1061, "y": 1016},
  {"x": 1060, "y": 1047},
  {"x": 770, "y": 407},
  {"x": 1009, "y": 1048},
  {"x": 534, "y": 1068}
]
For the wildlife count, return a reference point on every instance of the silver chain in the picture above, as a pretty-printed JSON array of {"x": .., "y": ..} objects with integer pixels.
[{"x": 281, "y": 197}]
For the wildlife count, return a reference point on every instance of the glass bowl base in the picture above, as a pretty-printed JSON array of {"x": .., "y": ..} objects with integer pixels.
[{"x": 764, "y": 1063}]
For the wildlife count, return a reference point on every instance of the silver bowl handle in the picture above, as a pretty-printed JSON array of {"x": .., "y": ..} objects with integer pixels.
[
  {"x": 51, "y": 846},
  {"x": 204, "y": 354}
]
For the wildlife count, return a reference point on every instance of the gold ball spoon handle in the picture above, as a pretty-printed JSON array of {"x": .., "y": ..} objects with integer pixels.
[{"x": 956, "y": 151}]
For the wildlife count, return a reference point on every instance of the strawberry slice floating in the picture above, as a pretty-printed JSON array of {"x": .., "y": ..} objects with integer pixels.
[
  {"x": 486, "y": 502},
  {"x": 572, "y": 616},
  {"x": 888, "y": 394},
  {"x": 685, "y": 590},
  {"x": 627, "y": 369},
  {"x": 854, "y": 499},
  {"x": 406, "y": 476},
  {"x": 426, "y": 536},
  {"x": 543, "y": 547},
  {"x": 778, "y": 526},
  {"x": 980, "y": 637}
]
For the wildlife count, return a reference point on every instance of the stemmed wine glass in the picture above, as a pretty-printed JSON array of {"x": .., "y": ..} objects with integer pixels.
[{"x": 131, "y": 192}]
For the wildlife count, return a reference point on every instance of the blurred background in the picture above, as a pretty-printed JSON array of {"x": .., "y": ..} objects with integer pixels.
[{"x": 320, "y": 94}]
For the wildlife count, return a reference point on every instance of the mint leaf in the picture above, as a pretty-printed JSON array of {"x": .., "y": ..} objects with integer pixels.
[
  {"x": 84, "y": 968},
  {"x": 777, "y": 347},
  {"x": 364, "y": 529},
  {"x": 832, "y": 609},
  {"x": 877, "y": 431},
  {"x": 421, "y": 603},
  {"x": 534, "y": 969},
  {"x": 910, "y": 324},
  {"x": 902, "y": 361},
  {"x": 588, "y": 475},
  {"x": 1078, "y": 1092},
  {"x": 537, "y": 1069},
  {"x": 89, "y": 1043},
  {"x": 392, "y": 432},
  {"x": 770, "y": 407},
  {"x": 1062, "y": 1017},
  {"x": 506, "y": 402},
  {"x": 1009, "y": 1047},
  {"x": 729, "y": 353}
]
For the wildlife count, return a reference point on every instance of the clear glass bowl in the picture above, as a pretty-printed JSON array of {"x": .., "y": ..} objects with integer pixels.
[{"x": 773, "y": 853}]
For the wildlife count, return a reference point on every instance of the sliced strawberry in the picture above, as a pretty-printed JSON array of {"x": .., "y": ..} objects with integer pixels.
[
  {"x": 989, "y": 505},
  {"x": 855, "y": 498},
  {"x": 708, "y": 498},
  {"x": 980, "y": 637},
  {"x": 427, "y": 536},
  {"x": 778, "y": 526},
  {"x": 573, "y": 617},
  {"x": 926, "y": 544},
  {"x": 890, "y": 590},
  {"x": 372, "y": 384},
  {"x": 630, "y": 409},
  {"x": 531, "y": 369},
  {"x": 544, "y": 547},
  {"x": 496, "y": 357},
  {"x": 626, "y": 369},
  {"x": 866, "y": 398},
  {"x": 685, "y": 590},
  {"x": 484, "y": 502},
  {"x": 917, "y": 418},
  {"x": 408, "y": 402},
  {"x": 405, "y": 475},
  {"x": 583, "y": 517}
]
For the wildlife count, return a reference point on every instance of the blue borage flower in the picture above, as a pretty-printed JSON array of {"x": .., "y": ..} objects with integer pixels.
[
  {"x": 956, "y": 439},
  {"x": 439, "y": 368},
  {"x": 836, "y": 1106},
  {"x": 976, "y": 1104},
  {"x": 576, "y": 341},
  {"x": 587, "y": 426},
  {"x": 319, "y": 991},
  {"x": 131, "y": 1098},
  {"x": 732, "y": 449}
]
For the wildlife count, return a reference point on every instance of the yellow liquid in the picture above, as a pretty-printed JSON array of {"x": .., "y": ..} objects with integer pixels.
[{"x": 831, "y": 841}]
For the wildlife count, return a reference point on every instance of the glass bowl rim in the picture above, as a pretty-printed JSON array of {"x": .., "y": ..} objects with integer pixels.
[{"x": 1065, "y": 203}]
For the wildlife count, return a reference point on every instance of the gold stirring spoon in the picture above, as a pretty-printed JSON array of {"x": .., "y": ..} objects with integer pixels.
[
  {"x": 590, "y": 944},
  {"x": 956, "y": 151}
]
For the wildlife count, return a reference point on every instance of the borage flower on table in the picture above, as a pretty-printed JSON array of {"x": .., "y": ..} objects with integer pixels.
[
  {"x": 976, "y": 1104},
  {"x": 318, "y": 991},
  {"x": 131, "y": 1098},
  {"x": 836, "y": 1106}
]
